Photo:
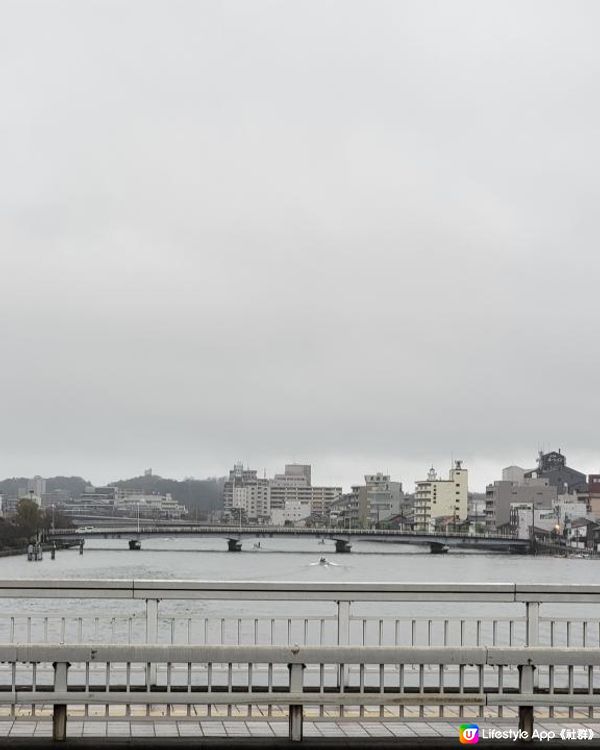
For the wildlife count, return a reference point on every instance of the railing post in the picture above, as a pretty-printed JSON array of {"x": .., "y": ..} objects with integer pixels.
[
  {"x": 343, "y": 623},
  {"x": 533, "y": 623},
  {"x": 533, "y": 629},
  {"x": 296, "y": 716},
  {"x": 59, "y": 716},
  {"x": 151, "y": 636},
  {"x": 526, "y": 712},
  {"x": 343, "y": 633}
]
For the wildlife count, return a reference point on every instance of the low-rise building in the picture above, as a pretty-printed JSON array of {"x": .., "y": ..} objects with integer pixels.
[
  {"x": 503, "y": 494},
  {"x": 294, "y": 512},
  {"x": 523, "y": 516},
  {"x": 583, "y": 533},
  {"x": 593, "y": 495},
  {"x": 351, "y": 511},
  {"x": 132, "y": 502}
]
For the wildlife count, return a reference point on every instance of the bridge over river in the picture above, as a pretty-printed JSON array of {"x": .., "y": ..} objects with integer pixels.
[{"x": 343, "y": 538}]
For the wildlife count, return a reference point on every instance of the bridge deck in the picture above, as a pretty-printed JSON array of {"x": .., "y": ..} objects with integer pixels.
[{"x": 272, "y": 732}]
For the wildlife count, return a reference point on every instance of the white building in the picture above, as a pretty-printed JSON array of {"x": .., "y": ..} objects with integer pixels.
[
  {"x": 294, "y": 512},
  {"x": 568, "y": 508},
  {"x": 246, "y": 496},
  {"x": 437, "y": 498},
  {"x": 523, "y": 514},
  {"x": 286, "y": 497},
  {"x": 155, "y": 505},
  {"x": 293, "y": 488}
]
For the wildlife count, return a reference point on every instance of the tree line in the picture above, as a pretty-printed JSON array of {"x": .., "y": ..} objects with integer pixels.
[{"x": 29, "y": 524}]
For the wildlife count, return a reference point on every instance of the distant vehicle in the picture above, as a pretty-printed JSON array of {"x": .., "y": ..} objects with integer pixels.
[{"x": 85, "y": 529}]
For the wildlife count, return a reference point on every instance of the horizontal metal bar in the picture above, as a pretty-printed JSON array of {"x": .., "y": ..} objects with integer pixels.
[
  {"x": 542, "y": 656},
  {"x": 285, "y": 591},
  {"x": 242, "y": 654},
  {"x": 542, "y": 699},
  {"x": 141, "y": 654},
  {"x": 252, "y": 590},
  {"x": 244, "y": 698}
]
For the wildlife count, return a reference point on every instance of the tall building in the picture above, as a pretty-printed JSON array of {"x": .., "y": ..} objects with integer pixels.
[
  {"x": 441, "y": 498},
  {"x": 384, "y": 497},
  {"x": 293, "y": 490},
  {"x": 246, "y": 496}
]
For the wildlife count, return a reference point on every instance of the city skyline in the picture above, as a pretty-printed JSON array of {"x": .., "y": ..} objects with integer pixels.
[{"x": 479, "y": 475}]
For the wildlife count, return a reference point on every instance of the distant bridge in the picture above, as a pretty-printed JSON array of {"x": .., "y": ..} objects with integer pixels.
[{"x": 343, "y": 538}]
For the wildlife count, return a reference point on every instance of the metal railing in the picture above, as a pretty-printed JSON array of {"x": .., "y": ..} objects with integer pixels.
[
  {"x": 296, "y": 679},
  {"x": 370, "y": 650}
]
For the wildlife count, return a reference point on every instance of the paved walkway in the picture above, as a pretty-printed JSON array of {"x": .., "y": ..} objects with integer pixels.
[{"x": 22, "y": 733}]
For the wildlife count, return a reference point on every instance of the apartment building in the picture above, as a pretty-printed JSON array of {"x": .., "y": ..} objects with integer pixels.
[
  {"x": 436, "y": 498},
  {"x": 246, "y": 496},
  {"x": 293, "y": 490}
]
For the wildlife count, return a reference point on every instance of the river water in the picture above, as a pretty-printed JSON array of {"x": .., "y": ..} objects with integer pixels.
[{"x": 295, "y": 560}]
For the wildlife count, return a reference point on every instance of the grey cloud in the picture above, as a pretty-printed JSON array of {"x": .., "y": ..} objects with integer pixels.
[{"x": 358, "y": 234}]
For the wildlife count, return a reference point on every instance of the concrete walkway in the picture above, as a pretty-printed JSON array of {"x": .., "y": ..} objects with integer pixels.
[{"x": 24, "y": 733}]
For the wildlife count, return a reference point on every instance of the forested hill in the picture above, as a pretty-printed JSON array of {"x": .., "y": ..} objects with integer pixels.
[{"x": 203, "y": 495}]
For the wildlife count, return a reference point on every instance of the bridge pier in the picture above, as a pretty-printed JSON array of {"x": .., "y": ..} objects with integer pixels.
[
  {"x": 436, "y": 548},
  {"x": 234, "y": 545},
  {"x": 342, "y": 545}
]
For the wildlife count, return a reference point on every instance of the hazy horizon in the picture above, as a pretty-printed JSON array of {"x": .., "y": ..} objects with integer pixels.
[{"x": 479, "y": 475}]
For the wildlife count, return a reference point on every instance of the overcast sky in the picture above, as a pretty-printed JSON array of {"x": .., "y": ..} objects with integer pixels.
[{"x": 358, "y": 234}]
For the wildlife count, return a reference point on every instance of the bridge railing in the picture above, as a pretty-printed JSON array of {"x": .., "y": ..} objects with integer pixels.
[
  {"x": 373, "y": 683},
  {"x": 280, "y": 614},
  {"x": 263, "y": 530}
]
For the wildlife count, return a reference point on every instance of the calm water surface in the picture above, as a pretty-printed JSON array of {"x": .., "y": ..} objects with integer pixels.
[{"x": 292, "y": 560}]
